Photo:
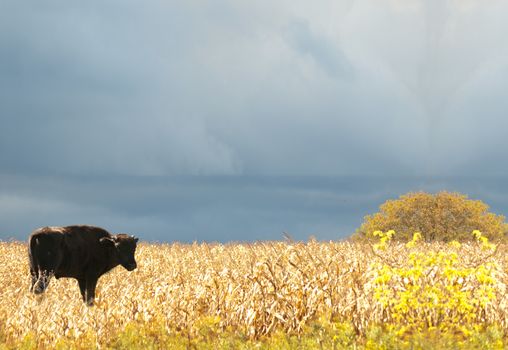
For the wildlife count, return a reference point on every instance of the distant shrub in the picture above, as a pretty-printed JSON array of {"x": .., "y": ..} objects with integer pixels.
[{"x": 444, "y": 216}]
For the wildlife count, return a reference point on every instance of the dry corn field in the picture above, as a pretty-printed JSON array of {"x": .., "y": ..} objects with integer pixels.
[{"x": 253, "y": 289}]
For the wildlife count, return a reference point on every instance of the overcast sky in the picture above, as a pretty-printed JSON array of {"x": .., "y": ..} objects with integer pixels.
[{"x": 179, "y": 94}]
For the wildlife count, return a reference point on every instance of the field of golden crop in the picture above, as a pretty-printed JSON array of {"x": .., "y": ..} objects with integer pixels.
[{"x": 201, "y": 290}]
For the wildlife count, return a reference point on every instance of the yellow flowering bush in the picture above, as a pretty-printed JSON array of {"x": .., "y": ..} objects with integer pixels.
[{"x": 434, "y": 290}]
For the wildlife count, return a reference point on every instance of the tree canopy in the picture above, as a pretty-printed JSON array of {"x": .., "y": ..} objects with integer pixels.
[{"x": 444, "y": 216}]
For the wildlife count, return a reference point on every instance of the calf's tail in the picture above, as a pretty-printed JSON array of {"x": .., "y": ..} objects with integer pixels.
[{"x": 34, "y": 270}]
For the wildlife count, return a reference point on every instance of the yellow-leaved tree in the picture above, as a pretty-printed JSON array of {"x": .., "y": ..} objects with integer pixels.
[{"x": 444, "y": 216}]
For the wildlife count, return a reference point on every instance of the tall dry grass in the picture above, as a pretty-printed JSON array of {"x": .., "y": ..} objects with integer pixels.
[{"x": 255, "y": 289}]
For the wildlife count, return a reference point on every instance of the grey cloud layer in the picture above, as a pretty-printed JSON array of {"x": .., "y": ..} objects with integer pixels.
[
  {"x": 217, "y": 208},
  {"x": 348, "y": 87}
]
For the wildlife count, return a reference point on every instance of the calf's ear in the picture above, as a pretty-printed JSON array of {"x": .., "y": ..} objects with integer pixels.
[{"x": 107, "y": 241}]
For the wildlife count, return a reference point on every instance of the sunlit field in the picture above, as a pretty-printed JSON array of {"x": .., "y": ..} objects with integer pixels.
[{"x": 333, "y": 295}]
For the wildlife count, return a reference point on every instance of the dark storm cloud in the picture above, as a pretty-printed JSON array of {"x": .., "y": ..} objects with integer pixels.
[
  {"x": 185, "y": 208},
  {"x": 219, "y": 208}
]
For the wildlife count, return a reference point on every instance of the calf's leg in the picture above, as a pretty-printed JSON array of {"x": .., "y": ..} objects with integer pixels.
[
  {"x": 33, "y": 275},
  {"x": 82, "y": 288},
  {"x": 91, "y": 283},
  {"x": 42, "y": 282}
]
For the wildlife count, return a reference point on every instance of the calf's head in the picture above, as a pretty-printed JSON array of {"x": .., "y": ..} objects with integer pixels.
[{"x": 125, "y": 247}]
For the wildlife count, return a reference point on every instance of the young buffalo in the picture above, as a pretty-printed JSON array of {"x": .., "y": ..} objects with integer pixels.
[{"x": 81, "y": 252}]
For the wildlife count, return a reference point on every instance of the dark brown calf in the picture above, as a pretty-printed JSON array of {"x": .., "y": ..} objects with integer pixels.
[{"x": 81, "y": 252}]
